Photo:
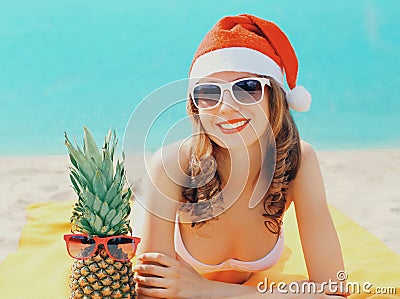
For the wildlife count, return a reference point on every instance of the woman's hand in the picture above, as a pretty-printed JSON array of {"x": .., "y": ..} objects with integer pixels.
[
  {"x": 161, "y": 276},
  {"x": 175, "y": 278}
]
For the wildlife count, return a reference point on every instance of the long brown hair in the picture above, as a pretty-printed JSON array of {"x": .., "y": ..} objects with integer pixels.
[{"x": 288, "y": 155}]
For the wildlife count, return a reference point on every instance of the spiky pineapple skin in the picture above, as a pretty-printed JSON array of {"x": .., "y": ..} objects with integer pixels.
[{"x": 100, "y": 277}]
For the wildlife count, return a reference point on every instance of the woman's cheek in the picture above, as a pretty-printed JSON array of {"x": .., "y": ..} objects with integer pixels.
[{"x": 206, "y": 122}]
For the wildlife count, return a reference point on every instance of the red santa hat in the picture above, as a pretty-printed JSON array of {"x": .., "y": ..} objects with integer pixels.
[{"x": 246, "y": 43}]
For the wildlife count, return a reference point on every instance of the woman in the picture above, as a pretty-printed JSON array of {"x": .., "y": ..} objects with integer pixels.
[{"x": 231, "y": 199}]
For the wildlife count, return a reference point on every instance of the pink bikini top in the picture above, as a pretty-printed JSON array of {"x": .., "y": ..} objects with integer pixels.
[{"x": 264, "y": 263}]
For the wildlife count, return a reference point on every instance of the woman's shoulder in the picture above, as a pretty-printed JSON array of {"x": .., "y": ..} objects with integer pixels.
[
  {"x": 172, "y": 157},
  {"x": 308, "y": 161},
  {"x": 308, "y": 172},
  {"x": 307, "y": 150},
  {"x": 168, "y": 165},
  {"x": 162, "y": 186}
]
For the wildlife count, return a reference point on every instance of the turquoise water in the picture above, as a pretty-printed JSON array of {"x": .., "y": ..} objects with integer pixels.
[{"x": 64, "y": 64}]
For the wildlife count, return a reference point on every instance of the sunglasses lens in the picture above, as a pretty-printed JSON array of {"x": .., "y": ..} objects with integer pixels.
[
  {"x": 81, "y": 246},
  {"x": 206, "y": 96},
  {"x": 247, "y": 91},
  {"x": 121, "y": 248}
]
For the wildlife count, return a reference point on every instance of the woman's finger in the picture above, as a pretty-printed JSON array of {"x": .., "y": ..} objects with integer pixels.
[
  {"x": 151, "y": 269},
  {"x": 157, "y": 257},
  {"x": 151, "y": 292},
  {"x": 155, "y": 282}
]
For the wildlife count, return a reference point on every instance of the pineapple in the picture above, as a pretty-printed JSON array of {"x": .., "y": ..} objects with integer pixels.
[{"x": 101, "y": 210}]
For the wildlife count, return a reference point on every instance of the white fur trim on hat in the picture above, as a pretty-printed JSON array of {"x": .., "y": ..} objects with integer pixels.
[
  {"x": 236, "y": 59},
  {"x": 299, "y": 99}
]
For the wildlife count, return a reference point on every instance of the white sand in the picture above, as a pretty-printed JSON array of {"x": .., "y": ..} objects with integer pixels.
[{"x": 362, "y": 184}]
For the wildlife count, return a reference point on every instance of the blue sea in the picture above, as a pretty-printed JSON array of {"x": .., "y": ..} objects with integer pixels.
[{"x": 68, "y": 63}]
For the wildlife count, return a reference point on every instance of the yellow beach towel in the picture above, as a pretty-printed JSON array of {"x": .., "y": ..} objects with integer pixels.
[{"x": 39, "y": 269}]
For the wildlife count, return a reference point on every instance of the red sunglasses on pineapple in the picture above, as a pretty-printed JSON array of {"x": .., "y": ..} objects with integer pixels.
[{"x": 120, "y": 248}]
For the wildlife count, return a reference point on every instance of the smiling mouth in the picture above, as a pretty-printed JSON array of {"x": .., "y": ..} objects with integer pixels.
[{"x": 233, "y": 125}]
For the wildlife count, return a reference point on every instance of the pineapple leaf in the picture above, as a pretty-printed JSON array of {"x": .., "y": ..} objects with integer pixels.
[
  {"x": 112, "y": 232},
  {"x": 78, "y": 148},
  {"x": 88, "y": 159},
  {"x": 72, "y": 159},
  {"x": 97, "y": 225},
  {"x": 117, "y": 219},
  {"x": 96, "y": 205},
  {"x": 77, "y": 178},
  {"x": 118, "y": 227},
  {"x": 110, "y": 143},
  {"x": 84, "y": 222},
  {"x": 89, "y": 197},
  {"x": 107, "y": 140},
  {"x": 74, "y": 216},
  {"x": 112, "y": 192},
  {"x": 78, "y": 209},
  {"x": 99, "y": 186},
  {"x": 107, "y": 168},
  {"x": 80, "y": 160},
  {"x": 116, "y": 201},
  {"x": 75, "y": 185},
  {"x": 122, "y": 228},
  {"x": 84, "y": 225},
  {"x": 86, "y": 231},
  {"x": 103, "y": 205},
  {"x": 90, "y": 147},
  {"x": 114, "y": 145},
  {"x": 91, "y": 217},
  {"x": 83, "y": 181},
  {"x": 127, "y": 194},
  {"x": 104, "y": 230},
  {"x": 117, "y": 176},
  {"x": 127, "y": 211},
  {"x": 104, "y": 210},
  {"x": 110, "y": 216}
]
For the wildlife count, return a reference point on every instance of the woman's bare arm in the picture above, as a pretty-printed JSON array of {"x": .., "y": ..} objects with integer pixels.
[
  {"x": 318, "y": 236},
  {"x": 155, "y": 225}
]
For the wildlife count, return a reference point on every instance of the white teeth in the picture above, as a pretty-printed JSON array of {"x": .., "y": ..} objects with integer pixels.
[{"x": 233, "y": 126}]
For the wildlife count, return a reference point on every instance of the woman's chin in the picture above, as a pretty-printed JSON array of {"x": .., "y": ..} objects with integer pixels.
[{"x": 234, "y": 142}]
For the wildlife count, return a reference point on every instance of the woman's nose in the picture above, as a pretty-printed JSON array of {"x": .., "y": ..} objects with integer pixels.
[{"x": 228, "y": 103}]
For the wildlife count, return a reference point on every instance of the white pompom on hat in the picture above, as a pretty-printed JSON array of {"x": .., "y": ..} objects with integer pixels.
[
  {"x": 299, "y": 98},
  {"x": 246, "y": 43}
]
